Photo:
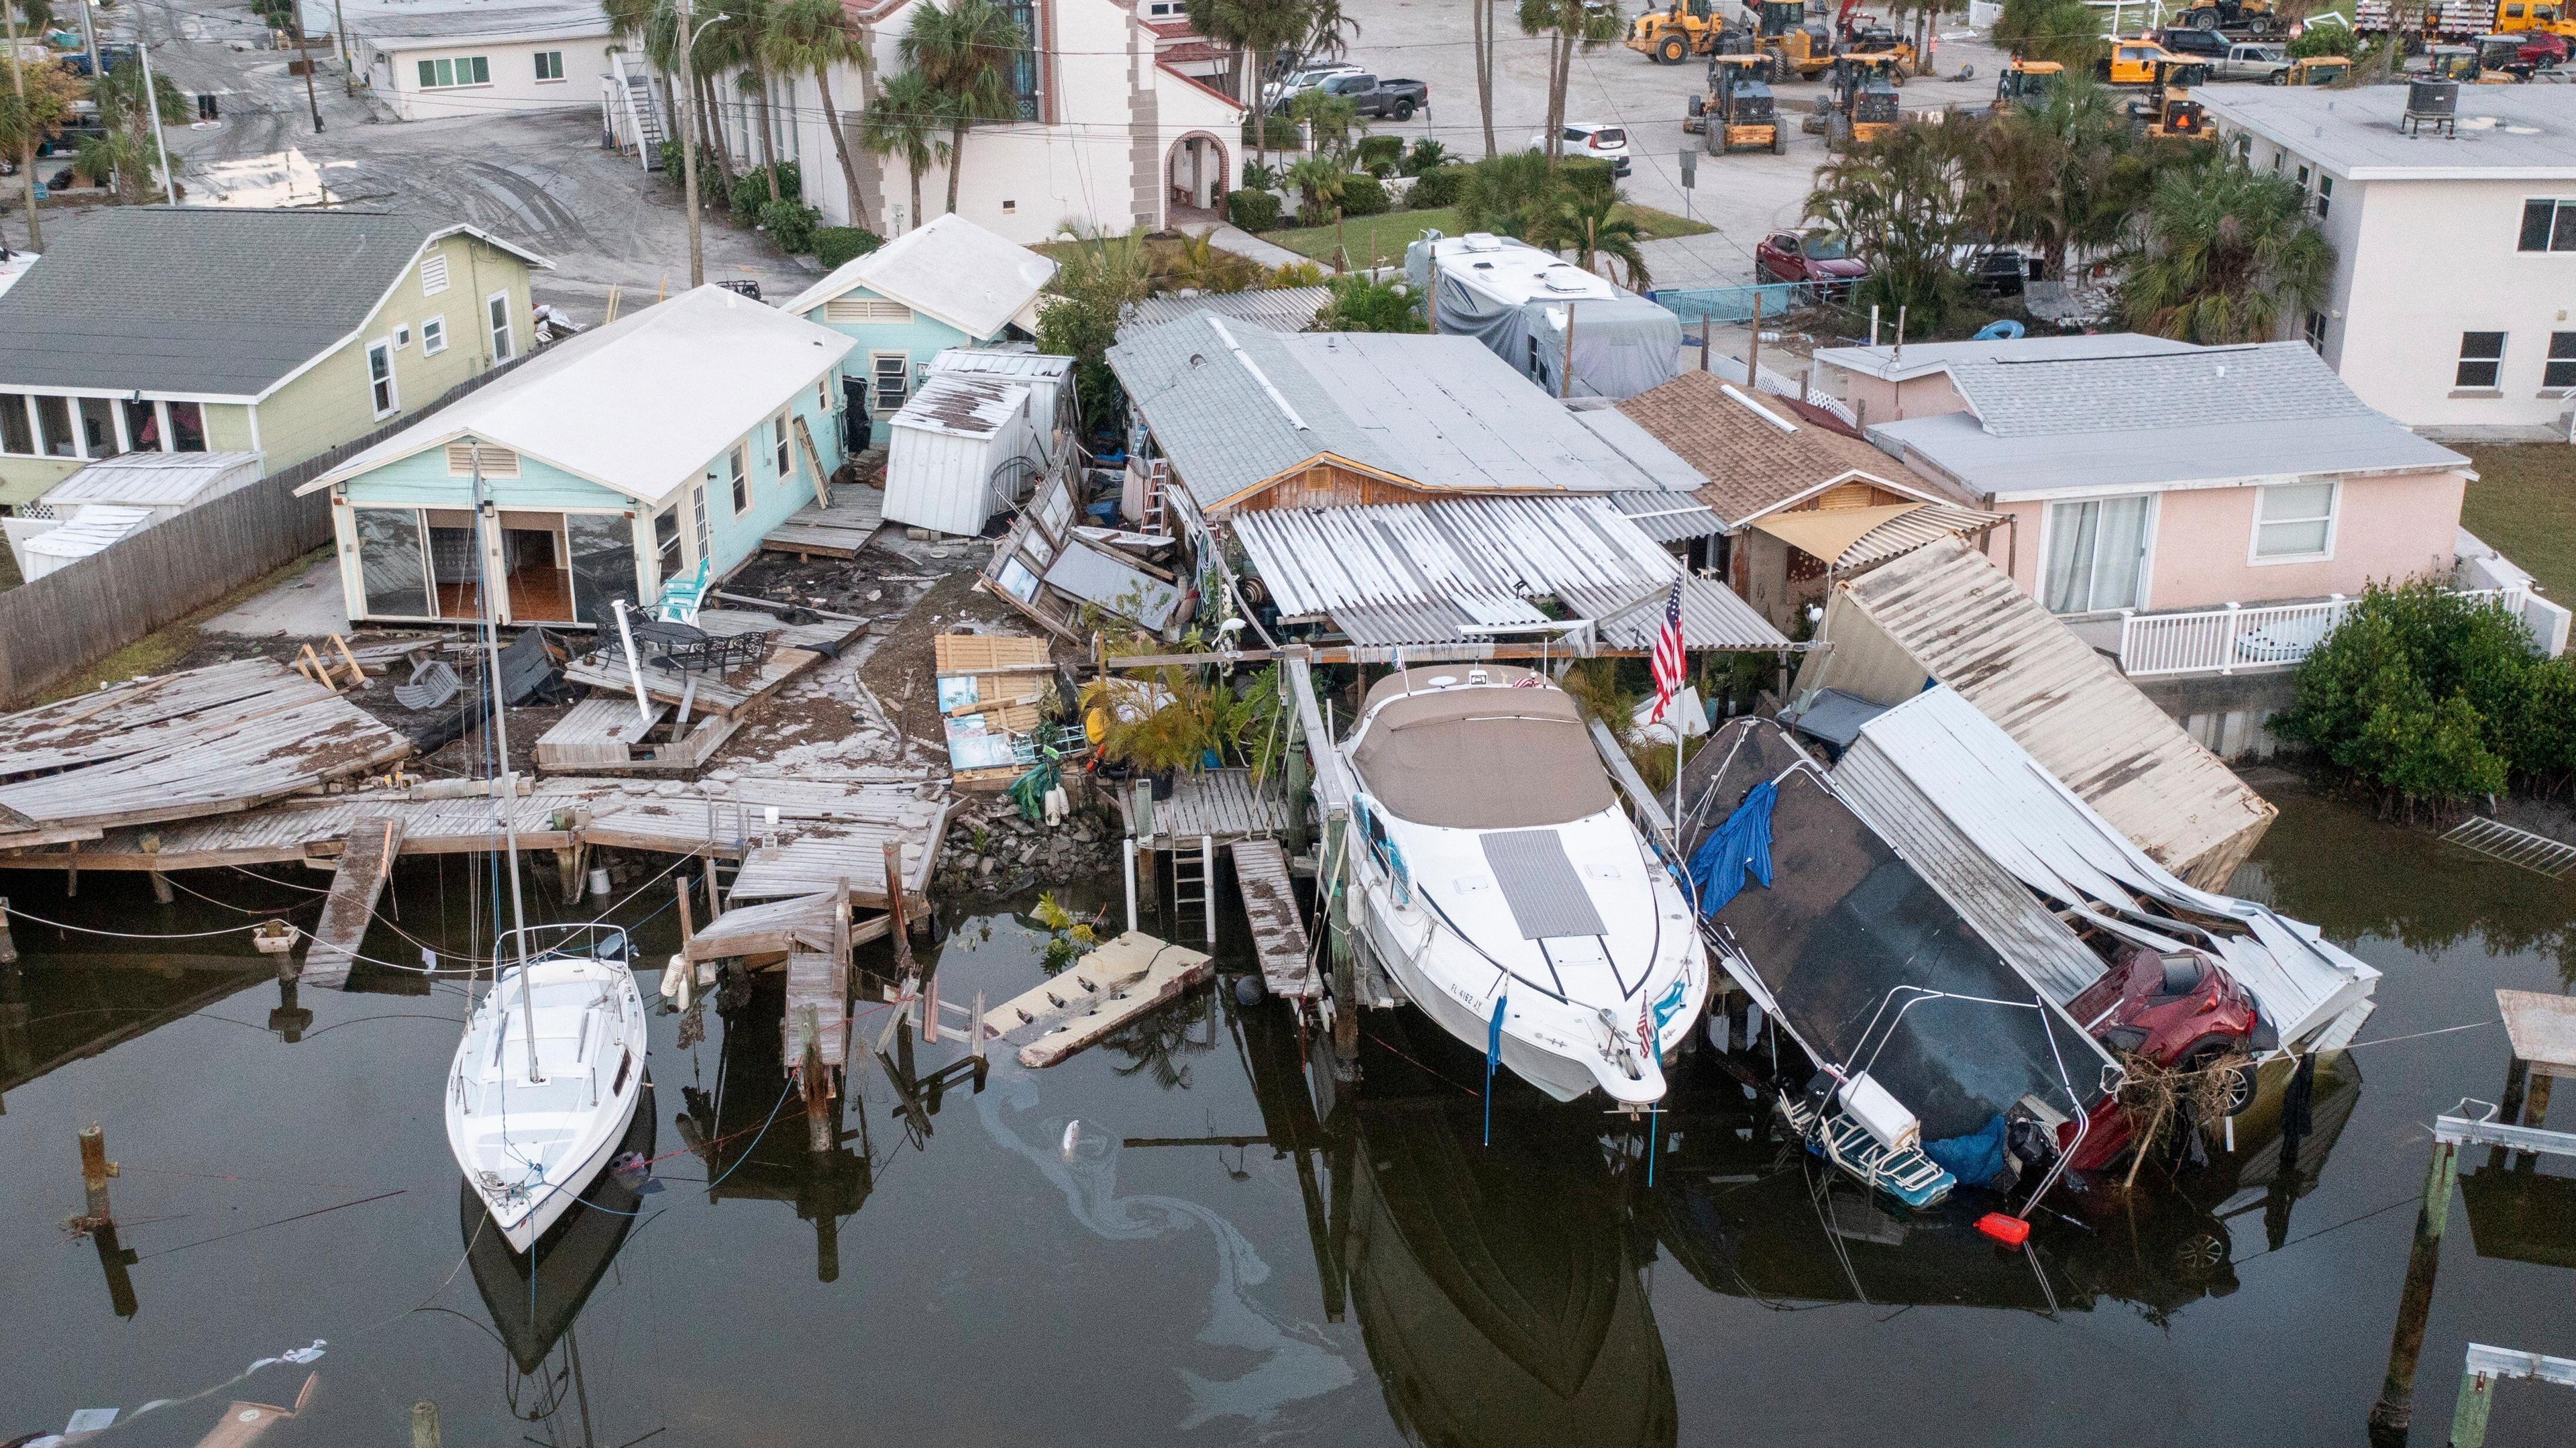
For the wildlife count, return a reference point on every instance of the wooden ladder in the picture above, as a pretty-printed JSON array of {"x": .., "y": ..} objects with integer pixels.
[{"x": 1194, "y": 885}]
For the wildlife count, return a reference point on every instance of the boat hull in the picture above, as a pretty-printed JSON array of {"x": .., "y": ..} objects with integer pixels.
[
  {"x": 578, "y": 1142},
  {"x": 1562, "y": 1077}
]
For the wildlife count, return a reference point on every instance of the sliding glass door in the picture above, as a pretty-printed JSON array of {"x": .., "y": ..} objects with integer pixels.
[{"x": 2097, "y": 554}]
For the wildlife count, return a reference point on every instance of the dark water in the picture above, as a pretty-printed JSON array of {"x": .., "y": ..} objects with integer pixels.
[{"x": 1156, "y": 1242}]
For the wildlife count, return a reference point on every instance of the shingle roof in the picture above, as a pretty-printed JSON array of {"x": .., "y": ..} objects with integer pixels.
[
  {"x": 1233, "y": 405},
  {"x": 2260, "y": 382},
  {"x": 1754, "y": 461},
  {"x": 202, "y": 299}
]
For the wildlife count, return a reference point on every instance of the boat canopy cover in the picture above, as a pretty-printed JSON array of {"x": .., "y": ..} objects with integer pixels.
[{"x": 1480, "y": 757}]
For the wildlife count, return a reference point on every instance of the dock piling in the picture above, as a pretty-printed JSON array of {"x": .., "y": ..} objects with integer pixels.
[
  {"x": 2395, "y": 1411},
  {"x": 161, "y": 892},
  {"x": 8, "y": 946},
  {"x": 95, "y": 1170},
  {"x": 424, "y": 1424}
]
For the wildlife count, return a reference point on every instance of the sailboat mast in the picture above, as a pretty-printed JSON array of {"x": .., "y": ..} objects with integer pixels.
[{"x": 508, "y": 777}]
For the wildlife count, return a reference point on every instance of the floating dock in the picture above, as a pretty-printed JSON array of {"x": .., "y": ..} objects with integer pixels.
[{"x": 1122, "y": 980}]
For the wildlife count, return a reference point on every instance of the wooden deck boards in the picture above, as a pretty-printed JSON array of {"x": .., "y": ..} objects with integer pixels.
[
  {"x": 1278, "y": 933},
  {"x": 730, "y": 695},
  {"x": 839, "y": 531},
  {"x": 1110, "y": 987},
  {"x": 204, "y": 741},
  {"x": 596, "y": 733},
  {"x": 365, "y": 861},
  {"x": 1222, "y": 804}
]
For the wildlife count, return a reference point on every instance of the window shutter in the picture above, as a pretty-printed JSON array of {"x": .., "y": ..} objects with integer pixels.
[
  {"x": 433, "y": 274},
  {"x": 498, "y": 462},
  {"x": 865, "y": 309}
]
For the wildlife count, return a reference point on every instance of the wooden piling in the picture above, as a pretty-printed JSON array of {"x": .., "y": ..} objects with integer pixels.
[
  {"x": 2469, "y": 1414},
  {"x": 1340, "y": 941},
  {"x": 424, "y": 1424},
  {"x": 8, "y": 946},
  {"x": 817, "y": 1086},
  {"x": 898, "y": 927},
  {"x": 2395, "y": 1410},
  {"x": 161, "y": 892},
  {"x": 95, "y": 1170}
]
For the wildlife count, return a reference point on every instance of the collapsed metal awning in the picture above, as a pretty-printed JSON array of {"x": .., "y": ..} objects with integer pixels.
[
  {"x": 1460, "y": 569},
  {"x": 1848, "y": 539}
]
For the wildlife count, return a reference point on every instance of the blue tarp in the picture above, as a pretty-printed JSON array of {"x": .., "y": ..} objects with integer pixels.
[
  {"x": 1976, "y": 1158},
  {"x": 1743, "y": 843}
]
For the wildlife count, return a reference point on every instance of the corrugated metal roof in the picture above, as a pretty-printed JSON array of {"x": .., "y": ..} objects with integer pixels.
[
  {"x": 2058, "y": 464},
  {"x": 2002, "y": 815},
  {"x": 963, "y": 405},
  {"x": 1898, "y": 364},
  {"x": 92, "y": 530},
  {"x": 1904, "y": 534},
  {"x": 1448, "y": 570},
  {"x": 153, "y": 480},
  {"x": 1669, "y": 517},
  {"x": 1966, "y": 624},
  {"x": 1000, "y": 362},
  {"x": 1280, "y": 309},
  {"x": 2257, "y": 382}
]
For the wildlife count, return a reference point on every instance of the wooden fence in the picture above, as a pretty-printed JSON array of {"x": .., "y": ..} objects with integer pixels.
[{"x": 54, "y": 626}]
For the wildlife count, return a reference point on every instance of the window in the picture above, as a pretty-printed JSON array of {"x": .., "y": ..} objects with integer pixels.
[
  {"x": 2316, "y": 331},
  {"x": 738, "y": 473},
  {"x": 402, "y": 337},
  {"x": 666, "y": 541},
  {"x": 187, "y": 427},
  {"x": 54, "y": 423},
  {"x": 600, "y": 547},
  {"x": 823, "y": 393},
  {"x": 891, "y": 370},
  {"x": 2293, "y": 521},
  {"x": 497, "y": 307},
  {"x": 698, "y": 521},
  {"x": 2560, "y": 371},
  {"x": 17, "y": 425},
  {"x": 2096, "y": 555},
  {"x": 1024, "y": 62},
  {"x": 778, "y": 440},
  {"x": 380, "y": 378},
  {"x": 458, "y": 71},
  {"x": 2548, "y": 226},
  {"x": 433, "y": 275},
  {"x": 98, "y": 427},
  {"x": 2481, "y": 359},
  {"x": 433, "y": 336},
  {"x": 2325, "y": 195},
  {"x": 143, "y": 427},
  {"x": 549, "y": 65}
]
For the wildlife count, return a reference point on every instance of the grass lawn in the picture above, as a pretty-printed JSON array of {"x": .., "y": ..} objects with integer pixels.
[
  {"x": 1380, "y": 240},
  {"x": 2524, "y": 505}
]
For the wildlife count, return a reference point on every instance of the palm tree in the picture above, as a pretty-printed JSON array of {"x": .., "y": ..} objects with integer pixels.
[
  {"x": 1585, "y": 219},
  {"x": 965, "y": 52},
  {"x": 904, "y": 120},
  {"x": 1319, "y": 181},
  {"x": 1255, "y": 29},
  {"x": 1568, "y": 25},
  {"x": 1901, "y": 203},
  {"x": 745, "y": 22},
  {"x": 1504, "y": 194},
  {"x": 814, "y": 36},
  {"x": 2227, "y": 254}
]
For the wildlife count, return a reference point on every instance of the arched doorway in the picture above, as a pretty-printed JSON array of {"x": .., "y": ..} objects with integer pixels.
[{"x": 1195, "y": 179}]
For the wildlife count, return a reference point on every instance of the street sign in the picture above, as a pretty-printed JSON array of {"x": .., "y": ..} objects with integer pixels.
[{"x": 1690, "y": 168}]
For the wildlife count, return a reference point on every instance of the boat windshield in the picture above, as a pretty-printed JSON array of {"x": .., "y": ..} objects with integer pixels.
[{"x": 1483, "y": 759}]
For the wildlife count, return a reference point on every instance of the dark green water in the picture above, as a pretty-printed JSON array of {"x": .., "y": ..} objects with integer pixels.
[{"x": 1156, "y": 1242}]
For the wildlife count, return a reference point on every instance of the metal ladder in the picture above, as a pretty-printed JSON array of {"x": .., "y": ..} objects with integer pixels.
[
  {"x": 1194, "y": 885},
  {"x": 1158, "y": 476}
]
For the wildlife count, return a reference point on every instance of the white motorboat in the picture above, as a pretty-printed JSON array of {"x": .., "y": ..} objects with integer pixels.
[
  {"x": 1490, "y": 864},
  {"x": 547, "y": 1078}
]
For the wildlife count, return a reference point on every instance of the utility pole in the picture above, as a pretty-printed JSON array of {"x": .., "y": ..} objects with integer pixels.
[
  {"x": 348, "y": 65},
  {"x": 306, "y": 52},
  {"x": 26, "y": 168},
  {"x": 152, "y": 103},
  {"x": 688, "y": 140},
  {"x": 89, "y": 37}
]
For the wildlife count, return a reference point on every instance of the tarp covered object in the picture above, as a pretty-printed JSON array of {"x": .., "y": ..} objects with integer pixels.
[
  {"x": 1623, "y": 345},
  {"x": 1741, "y": 845}
]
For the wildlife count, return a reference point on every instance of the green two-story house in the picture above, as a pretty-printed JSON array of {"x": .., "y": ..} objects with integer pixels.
[{"x": 282, "y": 333}]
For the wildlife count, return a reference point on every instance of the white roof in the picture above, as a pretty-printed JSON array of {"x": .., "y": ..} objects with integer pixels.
[
  {"x": 92, "y": 530},
  {"x": 639, "y": 405},
  {"x": 1903, "y": 364},
  {"x": 1517, "y": 271},
  {"x": 391, "y": 25},
  {"x": 963, "y": 406},
  {"x": 2505, "y": 132},
  {"x": 155, "y": 480},
  {"x": 1022, "y": 362},
  {"x": 952, "y": 269}
]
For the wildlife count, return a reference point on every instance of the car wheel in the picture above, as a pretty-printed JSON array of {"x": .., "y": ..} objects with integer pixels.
[
  {"x": 1404, "y": 110},
  {"x": 1670, "y": 52},
  {"x": 2278, "y": 77},
  {"x": 1779, "y": 141}
]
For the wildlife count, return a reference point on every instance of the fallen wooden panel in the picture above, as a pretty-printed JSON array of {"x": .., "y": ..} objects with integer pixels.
[
  {"x": 596, "y": 733},
  {"x": 2542, "y": 1030},
  {"x": 814, "y": 998},
  {"x": 364, "y": 863},
  {"x": 769, "y": 928},
  {"x": 1112, "y": 986},
  {"x": 1278, "y": 932},
  {"x": 839, "y": 531},
  {"x": 730, "y": 695}
]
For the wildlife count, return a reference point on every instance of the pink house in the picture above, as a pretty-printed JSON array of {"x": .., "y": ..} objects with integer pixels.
[{"x": 2186, "y": 509}]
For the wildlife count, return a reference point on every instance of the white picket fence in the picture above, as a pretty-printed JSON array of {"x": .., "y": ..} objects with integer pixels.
[{"x": 2224, "y": 640}]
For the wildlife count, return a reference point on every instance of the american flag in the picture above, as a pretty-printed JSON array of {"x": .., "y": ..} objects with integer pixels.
[
  {"x": 1666, "y": 660},
  {"x": 1646, "y": 1028}
]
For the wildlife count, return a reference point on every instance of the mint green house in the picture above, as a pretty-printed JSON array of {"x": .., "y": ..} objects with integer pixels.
[
  {"x": 948, "y": 284},
  {"x": 209, "y": 329},
  {"x": 612, "y": 464}
]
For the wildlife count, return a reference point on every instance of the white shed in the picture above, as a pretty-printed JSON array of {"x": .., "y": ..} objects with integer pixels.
[
  {"x": 89, "y": 530},
  {"x": 1053, "y": 407},
  {"x": 117, "y": 496},
  {"x": 962, "y": 450}
]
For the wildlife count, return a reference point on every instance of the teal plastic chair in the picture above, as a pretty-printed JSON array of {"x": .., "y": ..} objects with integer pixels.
[{"x": 682, "y": 597}]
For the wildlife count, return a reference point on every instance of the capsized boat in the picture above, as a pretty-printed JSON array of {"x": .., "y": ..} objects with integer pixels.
[
  {"x": 1492, "y": 866},
  {"x": 547, "y": 1077}
]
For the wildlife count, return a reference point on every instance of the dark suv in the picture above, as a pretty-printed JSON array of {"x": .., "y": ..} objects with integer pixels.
[{"x": 2188, "y": 40}]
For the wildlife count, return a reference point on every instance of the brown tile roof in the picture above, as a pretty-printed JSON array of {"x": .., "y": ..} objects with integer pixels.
[{"x": 1753, "y": 465}]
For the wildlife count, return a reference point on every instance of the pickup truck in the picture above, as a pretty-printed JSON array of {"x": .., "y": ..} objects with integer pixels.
[
  {"x": 2267, "y": 63},
  {"x": 1370, "y": 96}
]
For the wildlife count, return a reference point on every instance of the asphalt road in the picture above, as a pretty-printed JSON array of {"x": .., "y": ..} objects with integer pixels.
[{"x": 541, "y": 180}]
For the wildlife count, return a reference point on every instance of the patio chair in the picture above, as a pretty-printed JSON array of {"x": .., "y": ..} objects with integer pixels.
[
  {"x": 433, "y": 683},
  {"x": 681, "y": 597}
]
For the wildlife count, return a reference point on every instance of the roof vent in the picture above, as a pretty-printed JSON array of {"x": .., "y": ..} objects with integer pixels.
[
  {"x": 1565, "y": 279},
  {"x": 1482, "y": 241}
]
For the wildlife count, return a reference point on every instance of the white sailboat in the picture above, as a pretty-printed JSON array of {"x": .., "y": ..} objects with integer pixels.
[
  {"x": 1490, "y": 865},
  {"x": 547, "y": 1077}
]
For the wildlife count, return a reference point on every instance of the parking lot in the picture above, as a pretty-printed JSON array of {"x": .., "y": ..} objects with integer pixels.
[{"x": 1741, "y": 195}]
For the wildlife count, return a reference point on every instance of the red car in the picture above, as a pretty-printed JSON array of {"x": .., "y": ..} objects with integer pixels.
[
  {"x": 1820, "y": 257},
  {"x": 2542, "y": 49},
  {"x": 2180, "y": 1010}
]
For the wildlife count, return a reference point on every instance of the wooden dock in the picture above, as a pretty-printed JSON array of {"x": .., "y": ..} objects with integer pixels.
[
  {"x": 815, "y": 1027},
  {"x": 178, "y": 746},
  {"x": 1110, "y": 987},
  {"x": 1278, "y": 934},
  {"x": 800, "y": 647},
  {"x": 828, "y": 833},
  {"x": 838, "y": 531},
  {"x": 366, "y": 860},
  {"x": 1223, "y": 805}
]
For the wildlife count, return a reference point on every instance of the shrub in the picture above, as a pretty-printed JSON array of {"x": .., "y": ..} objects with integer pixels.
[
  {"x": 1252, "y": 210},
  {"x": 1295, "y": 274},
  {"x": 1436, "y": 188},
  {"x": 1362, "y": 305},
  {"x": 1277, "y": 133},
  {"x": 837, "y": 245},
  {"x": 1363, "y": 196},
  {"x": 1379, "y": 155},
  {"x": 1426, "y": 156},
  {"x": 790, "y": 225},
  {"x": 1260, "y": 176}
]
